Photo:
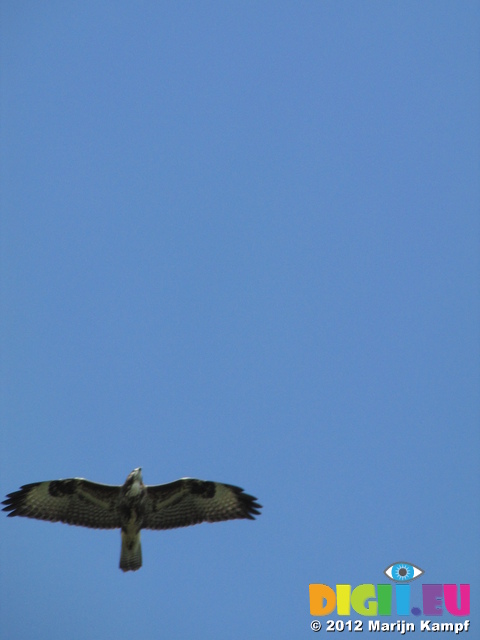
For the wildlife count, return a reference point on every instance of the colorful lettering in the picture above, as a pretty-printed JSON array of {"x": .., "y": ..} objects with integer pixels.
[
  {"x": 450, "y": 596},
  {"x": 362, "y": 594},
  {"x": 322, "y": 599},
  {"x": 432, "y": 599},
  {"x": 402, "y": 594},
  {"x": 364, "y": 601}
]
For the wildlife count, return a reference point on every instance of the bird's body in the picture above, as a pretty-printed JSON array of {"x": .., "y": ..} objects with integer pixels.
[
  {"x": 131, "y": 507},
  {"x": 134, "y": 495}
]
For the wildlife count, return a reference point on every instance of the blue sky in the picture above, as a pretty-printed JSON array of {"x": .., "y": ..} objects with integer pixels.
[{"x": 240, "y": 242}]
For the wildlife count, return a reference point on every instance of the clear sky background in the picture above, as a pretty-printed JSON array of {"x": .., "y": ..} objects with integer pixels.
[{"x": 240, "y": 242}]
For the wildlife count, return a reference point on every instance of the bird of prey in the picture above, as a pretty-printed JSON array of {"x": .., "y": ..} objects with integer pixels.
[{"x": 131, "y": 507}]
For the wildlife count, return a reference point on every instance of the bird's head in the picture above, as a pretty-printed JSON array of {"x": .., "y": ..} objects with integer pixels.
[
  {"x": 134, "y": 481},
  {"x": 137, "y": 474}
]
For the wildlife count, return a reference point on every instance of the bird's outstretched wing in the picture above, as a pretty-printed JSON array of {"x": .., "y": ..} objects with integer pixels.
[
  {"x": 74, "y": 501},
  {"x": 189, "y": 501}
]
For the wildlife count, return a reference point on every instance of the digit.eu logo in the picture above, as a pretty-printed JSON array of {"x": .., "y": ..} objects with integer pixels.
[{"x": 373, "y": 600}]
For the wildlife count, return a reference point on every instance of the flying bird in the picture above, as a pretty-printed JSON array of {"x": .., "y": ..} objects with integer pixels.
[{"x": 131, "y": 507}]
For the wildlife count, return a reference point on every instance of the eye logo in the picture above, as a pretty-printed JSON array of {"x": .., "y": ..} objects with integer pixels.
[{"x": 403, "y": 572}]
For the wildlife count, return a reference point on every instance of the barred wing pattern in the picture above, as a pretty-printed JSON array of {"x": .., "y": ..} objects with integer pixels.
[
  {"x": 189, "y": 501},
  {"x": 73, "y": 501}
]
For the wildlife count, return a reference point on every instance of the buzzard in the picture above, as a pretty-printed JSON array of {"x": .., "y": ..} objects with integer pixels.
[{"x": 131, "y": 507}]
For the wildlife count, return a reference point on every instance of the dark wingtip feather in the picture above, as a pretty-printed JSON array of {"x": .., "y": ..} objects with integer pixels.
[
  {"x": 249, "y": 504},
  {"x": 15, "y": 500}
]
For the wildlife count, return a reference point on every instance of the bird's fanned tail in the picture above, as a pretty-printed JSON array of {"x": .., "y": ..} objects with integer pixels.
[{"x": 131, "y": 553}]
